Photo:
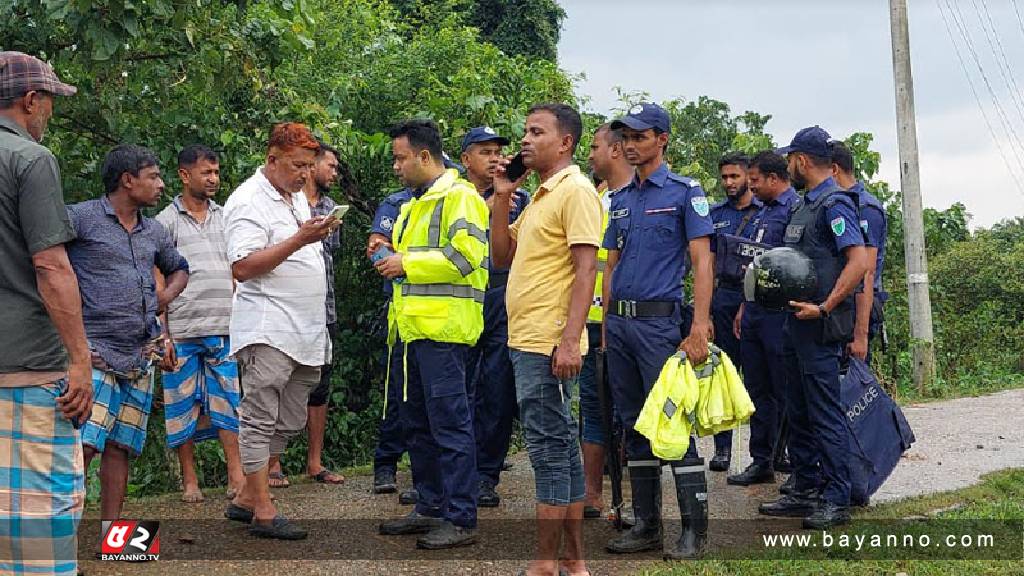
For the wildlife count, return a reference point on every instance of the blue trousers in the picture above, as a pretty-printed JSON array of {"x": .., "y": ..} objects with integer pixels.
[
  {"x": 390, "y": 435},
  {"x": 818, "y": 430},
  {"x": 764, "y": 376},
  {"x": 439, "y": 429},
  {"x": 590, "y": 401},
  {"x": 492, "y": 389},
  {"x": 637, "y": 350}
]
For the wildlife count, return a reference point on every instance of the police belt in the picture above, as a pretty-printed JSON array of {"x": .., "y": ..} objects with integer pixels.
[
  {"x": 633, "y": 309},
  {"x": 724, "y": 284},
  {"x": 497, "y": 279}
]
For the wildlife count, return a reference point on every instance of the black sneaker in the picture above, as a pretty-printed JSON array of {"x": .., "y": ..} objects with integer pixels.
[
  {"x": 487, "y": 497},
  {"x": 447, "y": 535},
  {"x": 408, "y": 497},
  {"x": 754, "y": 474},
  {"x": 796, "y": 505},
  {"x": 412, "y": 523},
  {"x": 384, "y": 481},
  {"x": 827, "y": 515}
]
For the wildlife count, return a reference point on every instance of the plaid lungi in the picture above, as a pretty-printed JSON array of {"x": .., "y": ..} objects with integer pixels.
[
  {"x": 42, "y": 482},
  {"x": 202, "y": 396},
  {"x": 120, "y": 410}
]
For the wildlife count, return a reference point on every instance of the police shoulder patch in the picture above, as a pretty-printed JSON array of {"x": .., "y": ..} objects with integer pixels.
[
  {"x": 387, "y": 223},
  {"x": 838, "y": 225},
  {"x": 700, "y": 205}
]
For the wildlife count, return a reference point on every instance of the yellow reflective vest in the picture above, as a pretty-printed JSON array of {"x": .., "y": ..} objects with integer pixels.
[
  {"x": 708, "y": 400},
  {"x": 596, "y": 313},
  {"x": 442, "y": 237}
]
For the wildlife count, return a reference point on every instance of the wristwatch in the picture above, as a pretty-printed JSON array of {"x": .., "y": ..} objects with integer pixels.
[{"x": 822, "y": 311}]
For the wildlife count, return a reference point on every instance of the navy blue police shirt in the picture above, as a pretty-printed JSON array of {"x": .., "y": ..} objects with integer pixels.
[
  {"x": 769, "y": 228},
  {"x": 385, "y": 217},
  {"x": 841, "y": 216},
  {"x": 874, "y": 226},
  {"x": 728, "y": 218},
  {"x": 650, "y": 224}
]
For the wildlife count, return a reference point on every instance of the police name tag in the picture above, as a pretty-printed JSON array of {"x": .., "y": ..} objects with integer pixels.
[
  {"x": 794, "y": 232},
  {"x": 616, "y": 214},
  {"x": 751, "y": 250},
  {"x": 668, "y": 210},
  {"x": 722, "y": 224}
]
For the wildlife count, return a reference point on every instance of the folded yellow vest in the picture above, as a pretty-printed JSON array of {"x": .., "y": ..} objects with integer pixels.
[{"x": 708, "y": 400}]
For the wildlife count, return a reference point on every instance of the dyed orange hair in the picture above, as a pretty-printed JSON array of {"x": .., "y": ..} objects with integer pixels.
[{"x": 288, "y": 135}]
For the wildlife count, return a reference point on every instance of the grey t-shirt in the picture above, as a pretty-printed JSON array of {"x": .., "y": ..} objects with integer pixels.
[{"x": 32, "y": 219}]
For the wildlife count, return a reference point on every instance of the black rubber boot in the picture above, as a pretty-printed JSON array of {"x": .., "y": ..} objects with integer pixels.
[
  {"x": 692, "y": 497},
  {"x": 645, "y": 486}
]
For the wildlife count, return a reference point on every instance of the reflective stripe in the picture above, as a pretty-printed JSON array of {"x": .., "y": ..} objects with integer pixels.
[
  {"x": 470, "y": 228},
  {"x": 601, "y": 265},
  {"x": 687, "y": 469},
  {"x": 456, "y": 258},
  {"x": 434, "y": 232},
  {"x": 453, "y": 290},
  {"x": 644, "y": 464}
]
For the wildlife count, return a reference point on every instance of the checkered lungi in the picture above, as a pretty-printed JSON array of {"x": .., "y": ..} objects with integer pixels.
[
  {"x": 202, "y": 396},
  {"x": 120, "y": 410}
]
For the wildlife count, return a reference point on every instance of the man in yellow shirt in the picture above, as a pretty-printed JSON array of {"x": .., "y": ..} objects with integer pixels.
[{"x": 552, "y": 248}]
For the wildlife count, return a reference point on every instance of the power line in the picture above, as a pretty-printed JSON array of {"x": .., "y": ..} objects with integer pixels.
[
  {"x": 1020, "y": 20},
  {"x": 977, "y": 98},
  {"x": 1015, "y": 141},
  {"x": 1002, "y": 62}
]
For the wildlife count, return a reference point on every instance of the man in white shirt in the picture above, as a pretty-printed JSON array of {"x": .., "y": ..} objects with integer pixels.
[{"x": 278, "y": 320}]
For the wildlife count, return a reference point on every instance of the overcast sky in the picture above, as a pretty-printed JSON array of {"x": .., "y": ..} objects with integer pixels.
[{"x": 811, "y": 62}]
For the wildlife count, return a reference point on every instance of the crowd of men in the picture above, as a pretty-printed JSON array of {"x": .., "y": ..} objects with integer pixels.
[{"x": 503, "y": 304}]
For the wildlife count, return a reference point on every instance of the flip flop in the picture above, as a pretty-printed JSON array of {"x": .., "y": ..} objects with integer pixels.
[
  {"x": 591, "y": 512},
  {"x": 281, "y": 479},
  {"x": 325, "y": 477},
  {"x": 230, "y": 494}
]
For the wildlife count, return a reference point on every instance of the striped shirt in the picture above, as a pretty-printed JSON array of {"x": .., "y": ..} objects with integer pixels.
[
  {"x": 285, "y": 307},
  {"x": 204, "y": 307}
]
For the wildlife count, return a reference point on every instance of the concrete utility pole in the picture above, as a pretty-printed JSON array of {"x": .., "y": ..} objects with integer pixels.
[{"x": 921, "y": 340}]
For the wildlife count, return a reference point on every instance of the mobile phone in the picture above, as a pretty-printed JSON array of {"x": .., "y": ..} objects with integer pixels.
[
  {"x": 381, "y": 253},
  {"x": 515, "y": 168},
  {"x": 338, "y": 212}
]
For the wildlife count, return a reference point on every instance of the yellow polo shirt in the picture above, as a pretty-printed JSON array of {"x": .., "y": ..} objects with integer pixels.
[{"x": 565, "y": 211}]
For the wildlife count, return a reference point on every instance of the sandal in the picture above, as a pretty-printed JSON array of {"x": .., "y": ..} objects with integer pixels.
[
  {"x": 279, "y": 528},
  {"x": 238, "y": 514},
  {"x": 325, "y": 476},
  {"x": 280, "y": 478}
]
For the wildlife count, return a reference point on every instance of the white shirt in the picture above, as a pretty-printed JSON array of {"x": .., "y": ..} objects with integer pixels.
[{"x": 285, "y": 307}]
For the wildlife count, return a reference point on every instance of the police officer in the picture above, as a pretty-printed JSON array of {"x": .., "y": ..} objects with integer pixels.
[
  {"x": 390, "y": 436},
  {"x": 652, "y": 224},
  {"x": 437, "y": 311},
  {"x": 871, "y": 298},
  {"x": 608, "y": 164},
  {"x": 760, "y": 329},
  {"x": 824, "y": 227},
  {"x": 492, "y": 387},
  {"x": 732, "y": 217}
]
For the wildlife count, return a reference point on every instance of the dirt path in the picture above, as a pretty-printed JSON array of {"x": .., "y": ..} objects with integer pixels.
[{"x": 957, "y": 441}]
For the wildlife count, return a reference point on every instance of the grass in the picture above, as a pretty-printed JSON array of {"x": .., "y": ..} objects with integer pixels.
[{"x": 999, "y": 496}]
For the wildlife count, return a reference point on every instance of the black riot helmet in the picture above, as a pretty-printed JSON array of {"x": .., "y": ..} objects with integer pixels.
[{"x": 778, "y": 276}]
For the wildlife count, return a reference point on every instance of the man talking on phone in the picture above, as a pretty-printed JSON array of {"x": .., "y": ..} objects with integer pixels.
[{"x": 552, "y": 249}]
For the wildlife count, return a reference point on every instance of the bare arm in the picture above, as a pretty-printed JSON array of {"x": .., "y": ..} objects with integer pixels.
[
  {"x": 503, "y": 247},
  {"x": 58, "y": 288},
  {"x": 696, "y": 344},
  {"x": 853, "y": 273},
  {"x": 175, "y": 284},
  {"x": 568, "y": 361}
]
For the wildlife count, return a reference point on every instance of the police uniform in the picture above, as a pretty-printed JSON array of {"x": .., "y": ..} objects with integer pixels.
[
  {"x": 390, "y": 437},
  {"x": 874, "y": 224},
  {"x": 761, "y": 342},
  {"x": 650, "y": 224},
  {"x": 492, "y": 387},
  {"x": 437, "y": 313},
  {"x": 725, "y": 302},
  {"x": 822, "y": 226}
]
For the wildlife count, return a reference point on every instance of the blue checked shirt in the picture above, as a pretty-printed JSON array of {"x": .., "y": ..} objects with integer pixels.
[{"x": 115, "y": 276}]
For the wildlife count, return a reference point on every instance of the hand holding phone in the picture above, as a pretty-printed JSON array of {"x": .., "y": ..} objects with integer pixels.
[
  {"x": 338, "y": 212},
  {"x": 515, "y": 169}
]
